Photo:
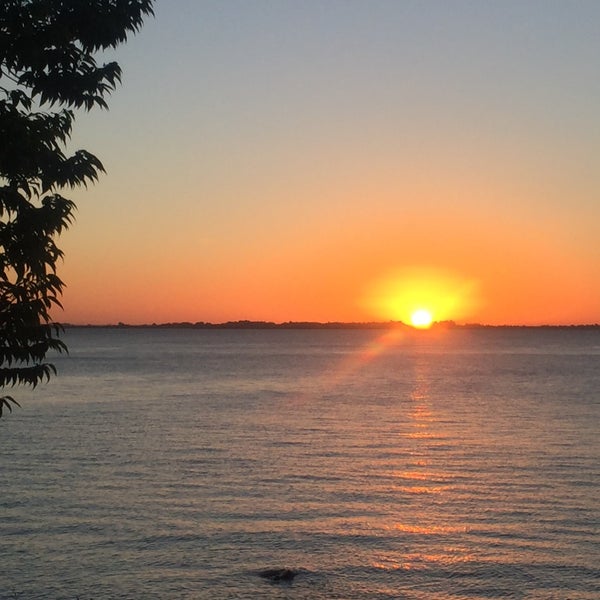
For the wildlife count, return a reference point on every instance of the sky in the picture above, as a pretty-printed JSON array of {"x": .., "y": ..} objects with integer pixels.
[{"x": 345, "y": 161}]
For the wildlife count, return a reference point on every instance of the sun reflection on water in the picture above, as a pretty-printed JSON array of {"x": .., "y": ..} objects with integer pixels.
[
  {"x": 423, "y": 481},
  {"x": 415, "y": 471},
  {"x": 422, "y": 560}
]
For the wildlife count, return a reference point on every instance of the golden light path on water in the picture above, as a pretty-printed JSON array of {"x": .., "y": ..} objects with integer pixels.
[
  {"x": 426, "y": 479},
  {"x": 419, "y": 476}
]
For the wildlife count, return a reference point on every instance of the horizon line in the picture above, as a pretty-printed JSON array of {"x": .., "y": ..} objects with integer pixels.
[{"x": 259, "y": 324}]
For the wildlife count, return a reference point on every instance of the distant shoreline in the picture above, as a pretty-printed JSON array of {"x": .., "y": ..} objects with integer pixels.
[{"x": 243, "y": 324}]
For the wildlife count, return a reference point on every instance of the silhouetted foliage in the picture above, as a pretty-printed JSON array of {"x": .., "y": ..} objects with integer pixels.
[{"x": 48, "y": 69}]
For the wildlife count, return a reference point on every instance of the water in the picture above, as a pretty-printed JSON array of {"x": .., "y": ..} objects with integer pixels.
[{"x": 178, "y": 463}]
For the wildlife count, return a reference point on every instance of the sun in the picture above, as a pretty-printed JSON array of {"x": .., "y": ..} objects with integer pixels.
[
  {"x": 421, "y": 318},
  {"x": 421, "y": 296}
]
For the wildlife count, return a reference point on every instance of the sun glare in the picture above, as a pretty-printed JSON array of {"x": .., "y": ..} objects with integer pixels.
[
  {"x": 421, "y": 318},
  {"x": 417, "y": 295}
]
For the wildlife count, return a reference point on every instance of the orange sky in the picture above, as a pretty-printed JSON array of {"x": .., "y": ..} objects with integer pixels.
[{"x": 336, "y": 162}]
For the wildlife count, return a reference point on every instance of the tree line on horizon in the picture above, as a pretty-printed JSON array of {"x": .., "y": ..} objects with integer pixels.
[{"x": 248, "y": 324}]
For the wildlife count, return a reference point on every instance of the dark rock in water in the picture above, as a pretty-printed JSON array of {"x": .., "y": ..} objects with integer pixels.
[{"x": 278, "y": 574}]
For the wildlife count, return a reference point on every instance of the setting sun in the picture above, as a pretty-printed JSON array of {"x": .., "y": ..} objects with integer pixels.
[
  {"x": 421, "y": 319},
  {"x": 415, "y": 295}
]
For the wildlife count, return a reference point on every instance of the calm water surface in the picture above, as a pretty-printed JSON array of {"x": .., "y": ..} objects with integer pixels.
[{"x": 178, "y": 463}]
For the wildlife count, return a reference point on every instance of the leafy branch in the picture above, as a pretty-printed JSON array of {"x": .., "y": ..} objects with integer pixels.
[{"x": 48, "y": 69}]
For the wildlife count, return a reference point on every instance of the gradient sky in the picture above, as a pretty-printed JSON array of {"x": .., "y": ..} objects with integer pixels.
[{"x": 345, "y": 160}]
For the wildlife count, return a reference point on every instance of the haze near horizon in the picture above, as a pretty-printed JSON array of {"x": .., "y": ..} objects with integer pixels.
[{"x": 345, "y": 161}]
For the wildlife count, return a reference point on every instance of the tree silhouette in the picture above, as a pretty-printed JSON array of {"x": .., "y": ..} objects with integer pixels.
[{"x": 48, "y": 68}]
